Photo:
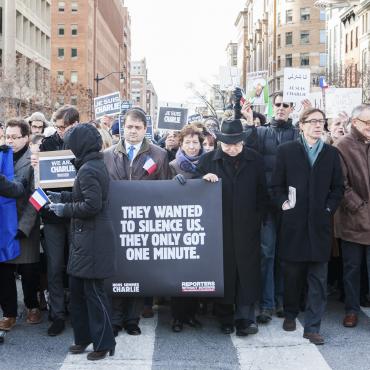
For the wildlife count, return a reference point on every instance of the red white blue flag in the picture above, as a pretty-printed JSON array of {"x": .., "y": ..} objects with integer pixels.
[
  {"x": 38, "y": 199},
  {"x": 150, "y": 166}
]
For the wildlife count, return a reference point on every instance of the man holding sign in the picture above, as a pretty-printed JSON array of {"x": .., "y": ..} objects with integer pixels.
[{"x": 134, "y": 158}]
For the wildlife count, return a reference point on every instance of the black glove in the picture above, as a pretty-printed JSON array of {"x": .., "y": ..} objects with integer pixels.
[
  {"x": 4, "y": 148},
  {"x": 24, "y": 182},
  {"x": 20, "y": 235},
  {"x": 237, "y": 95},
  {"x": 180, "y": 178},
  {"x": 54, "y": 196}
]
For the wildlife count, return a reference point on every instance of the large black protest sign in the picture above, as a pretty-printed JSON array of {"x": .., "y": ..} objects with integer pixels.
[
  {"x": 172, "y": 118},
  {"x": 169, "y": 237},
  {"x": 55, "y": 169},
  {"x": 107, "y": 105}
]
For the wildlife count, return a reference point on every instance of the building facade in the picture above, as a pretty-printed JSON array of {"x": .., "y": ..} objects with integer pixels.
[
  {"x": 139, "y": 78},
  {"x": 242, "y": 42},
  {"x": 24, "y": 56},
  {"x": 151, "y": 101}
]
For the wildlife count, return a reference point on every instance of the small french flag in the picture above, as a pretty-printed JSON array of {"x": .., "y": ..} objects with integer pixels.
[
  {"x": 323, "y": 83},
  {"x": 38, "y": 199},
  {"x": 150, "y": 166}
]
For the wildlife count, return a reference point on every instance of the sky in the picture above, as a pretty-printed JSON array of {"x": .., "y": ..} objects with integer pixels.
[{"x": 183, "y": 41}]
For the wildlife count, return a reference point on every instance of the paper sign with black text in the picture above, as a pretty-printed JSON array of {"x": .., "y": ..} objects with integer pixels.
[
  {"x": 55, "y": 170},
  {"x": 297, "y": 82},
  {"x": 107, "y": 105},
  {"x": 172, "y": 118},
  {"x": 195, "y": 118},
  {"x": 169, "y": 238}
]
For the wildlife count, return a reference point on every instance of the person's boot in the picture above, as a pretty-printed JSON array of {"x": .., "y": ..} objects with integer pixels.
[{"x": 56, "y": 328}]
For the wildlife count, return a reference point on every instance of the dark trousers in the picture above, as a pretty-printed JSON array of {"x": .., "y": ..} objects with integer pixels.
[
  {"x": 126, "y": 311},
  {"x": 56, "y": 239},
  {"x": 30, "y": 273},
  {"x": 90, "y": 316},
  {"x": 183, "y": 308},
  {"x": 353, "y": 254},
  {"x": 298, "y": 275}
]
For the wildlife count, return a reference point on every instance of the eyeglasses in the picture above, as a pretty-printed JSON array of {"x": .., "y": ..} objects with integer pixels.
[
  {"x": 285, "y": 105},
  {"x": 7, "y": 137},
  {"x": 315, "y": 121},
  {"x": 59, "y": 128},
  {"x": 366, "y": 123},
  {"x": 35, "y": 126}
]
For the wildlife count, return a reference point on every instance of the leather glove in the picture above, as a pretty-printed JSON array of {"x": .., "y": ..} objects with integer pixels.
[
  {"x": 180, "y": 178},
  {"x": 57, "y": 208},
  {"x": 54, "y": 196},
  {"x": 4, "y": 148},
  {"x": 20, "y": 235}
]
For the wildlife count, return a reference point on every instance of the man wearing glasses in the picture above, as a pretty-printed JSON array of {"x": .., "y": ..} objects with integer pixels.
[
  {"x": 38, "y": 123},
  {"x": 56, "y": 229},
  {"x": 266, "y": 140},
  {"x": 352, "y": 221}
]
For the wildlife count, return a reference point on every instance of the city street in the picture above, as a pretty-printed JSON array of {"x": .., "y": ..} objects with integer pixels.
[{"x": 28, "y": 347}]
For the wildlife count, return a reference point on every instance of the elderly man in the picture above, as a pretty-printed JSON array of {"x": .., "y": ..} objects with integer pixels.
[{"x": 352, "y": 221}]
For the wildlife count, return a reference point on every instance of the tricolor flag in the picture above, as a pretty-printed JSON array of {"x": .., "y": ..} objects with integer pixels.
[
  {"x": 38, "y": 199},
  {"x": 323, "y": 83},
  {"x": 150, "y": 166}
]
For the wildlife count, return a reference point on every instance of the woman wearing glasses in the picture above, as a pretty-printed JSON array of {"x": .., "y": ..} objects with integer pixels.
[{"x": 307, "y": 186}]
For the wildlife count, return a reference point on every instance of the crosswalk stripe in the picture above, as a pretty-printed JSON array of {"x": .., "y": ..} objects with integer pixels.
[
  {"x": 132, "y": 352},
  {"x": 274, "y": 349}
]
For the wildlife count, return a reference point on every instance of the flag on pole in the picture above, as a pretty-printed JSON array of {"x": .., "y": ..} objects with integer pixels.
[
  {"x": 150, "y": 166},
  {"x": 38, "y": 199},
  {"x": 323, "y": 83}
]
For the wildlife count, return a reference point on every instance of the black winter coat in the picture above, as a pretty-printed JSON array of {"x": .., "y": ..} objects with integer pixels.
[
  {"x": 92, "y": 248},
  {"x": 243, "y": 202},
  {"x": 306, "y": 230}
]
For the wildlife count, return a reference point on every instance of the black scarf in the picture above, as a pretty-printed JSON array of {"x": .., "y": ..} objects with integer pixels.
[
  {"x": 232, "y": 163},
  {"x": 18, "y": 155}
]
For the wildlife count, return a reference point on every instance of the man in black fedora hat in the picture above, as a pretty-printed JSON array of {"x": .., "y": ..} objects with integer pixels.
[{"x": 243, "y": 201}]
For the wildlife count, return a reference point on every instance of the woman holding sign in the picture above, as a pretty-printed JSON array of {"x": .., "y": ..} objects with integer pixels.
[
  {"x": 92, "y": 249},
  {"x": 243, "y": 202},
  {"x": 185, "y": 164}
]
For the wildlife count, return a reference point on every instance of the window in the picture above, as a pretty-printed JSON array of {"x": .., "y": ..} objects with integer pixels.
[
  {"x": 60, "y": 29},
  {"x": 1, "y": 21},
  {"x": 288, "y": 38},
  {"x": 74, "y": 31},
  {"x": 346, "y": 42},
  {"x": 351, "y": 39},
  {"x": 289, "y": 16},
  {"x": 60, "y": 99},
  {"x": 74, "y": 100},
  {"x": 73, "y": 53},
  {"x": 288, "y": 60},
  {"x": 74, "y": 77},
  {"x": 322, "y": 59},
  {"x": 305, "y": 37},
  {"x": 305, "y": 59},
  {"x": 60, "y": 53},
  {"x": 278, "y": 41},
  {"x": 279, "y": 19},
  {"x": 60, "y": 77},
  {"x": 322, "y": 15},
  {"x": 74, "y": 7},
  {"x": 322, "y": 36},
  {"x": 305, "y": 14},
  {"x": 61, "y": 6},
  {"x": 356, "y": 43},
  {"x": 279, "y": 62}
]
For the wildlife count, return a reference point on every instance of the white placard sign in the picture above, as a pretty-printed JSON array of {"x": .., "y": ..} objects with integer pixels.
[
  {"x": 296, "y": 84},
  {"x": 342, "y": 99}
]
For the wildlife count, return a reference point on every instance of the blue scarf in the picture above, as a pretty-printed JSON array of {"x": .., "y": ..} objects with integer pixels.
[
  {"x": 314, "y": 151},
  {"x": 187, "y": 163}
]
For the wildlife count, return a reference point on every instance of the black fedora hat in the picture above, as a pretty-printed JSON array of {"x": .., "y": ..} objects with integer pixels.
[{"x": 231, "y": 132}]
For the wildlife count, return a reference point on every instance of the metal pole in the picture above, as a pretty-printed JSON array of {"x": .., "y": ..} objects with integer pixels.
[{"x": 97, "y": 84}]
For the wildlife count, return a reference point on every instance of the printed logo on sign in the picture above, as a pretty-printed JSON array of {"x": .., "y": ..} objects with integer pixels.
[
  {"x": 198, "y": 286},
  {"x": 126, "y": 287}
]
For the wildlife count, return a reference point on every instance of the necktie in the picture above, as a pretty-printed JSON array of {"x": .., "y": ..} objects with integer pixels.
[{"x": 130, "y": 153}]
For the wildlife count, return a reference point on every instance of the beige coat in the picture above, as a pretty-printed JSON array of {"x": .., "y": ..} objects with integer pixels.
[{"x": 352, "y": 220}]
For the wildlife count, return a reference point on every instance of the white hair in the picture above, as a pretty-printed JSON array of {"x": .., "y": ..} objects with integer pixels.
[{"x": 359, "y": 109}]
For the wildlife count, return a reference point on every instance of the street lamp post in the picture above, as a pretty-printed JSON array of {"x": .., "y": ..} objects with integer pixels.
[{"x": 97, "y": 79}]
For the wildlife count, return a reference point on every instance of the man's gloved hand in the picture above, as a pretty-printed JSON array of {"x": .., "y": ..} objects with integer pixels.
[
  {"x": 54, "y": 196},
  {"x": 57, "y": 208},
  {"x": 180, "y": 178},
  {"x": 20, "y": 235},
  {"x": 237, "y": 94},
  {"x": 4, "y": 148}
]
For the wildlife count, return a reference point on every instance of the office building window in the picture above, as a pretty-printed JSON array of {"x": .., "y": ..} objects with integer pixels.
[
  {"x": 74, "y": 77},
  {"x": 74, "y": 100},
  {"x": 60, "y": 29},
  {"x": 278, "y": 41},
  {"x": 288, "y": 38},
  {"x": 288, "y": 60},
  {"x": 61, "y": 6},
  {"x": 305, "y": 37},
  {"x": 322, "y": 15},
  {"x": 60, "y": 53},
  {"x": 60, "y": 77},
  {"x": 74, "y": 7},
  {"x": 73, "y": 53},
  {"x": 289, "y": 16},
  {"x": 323, "y": 59},
  {"x": 305, "y": 14},
  {"x": 74, "y": 30},
  {"x": 305, "y": 59},
  {"x": 279, "y": 62},
  {"x": 322, "y": 36}
]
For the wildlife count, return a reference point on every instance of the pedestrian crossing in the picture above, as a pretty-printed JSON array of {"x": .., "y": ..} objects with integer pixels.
[{"x": 270, "y": 349}]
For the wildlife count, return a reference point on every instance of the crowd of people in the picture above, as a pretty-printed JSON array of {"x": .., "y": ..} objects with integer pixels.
[{"x": 296, "y": 218}]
